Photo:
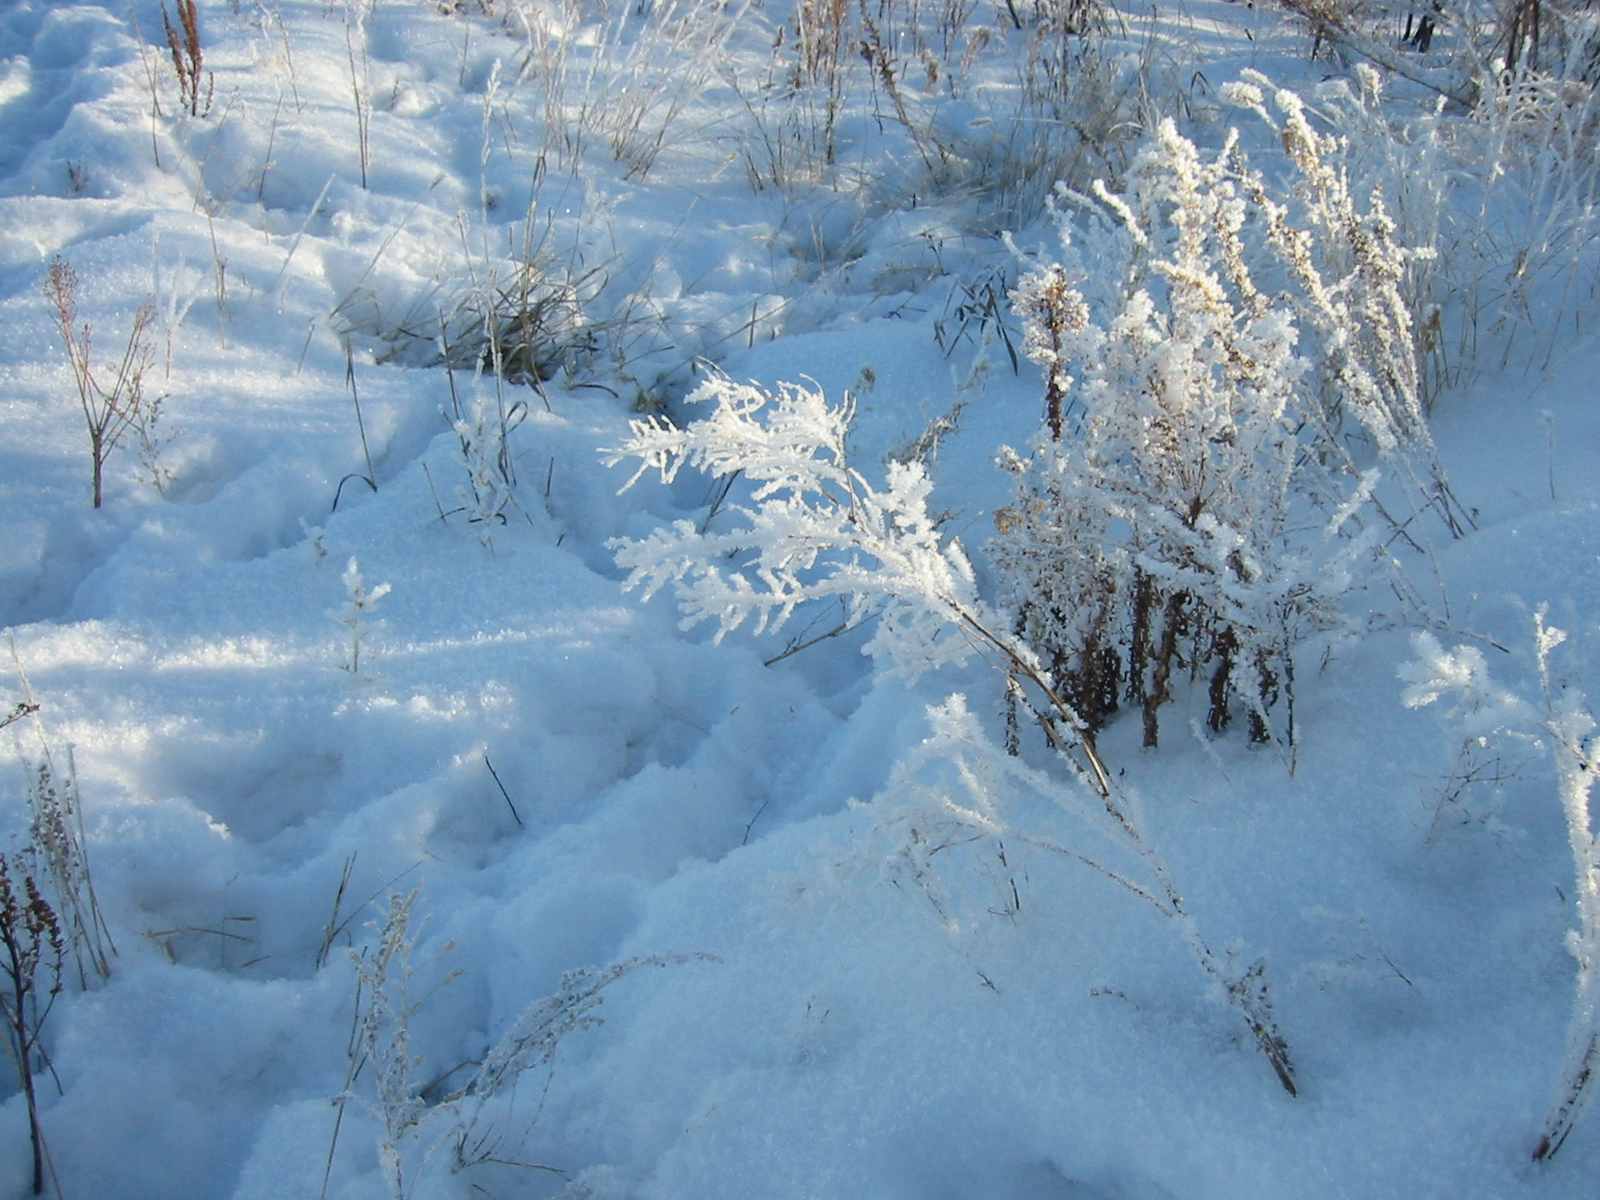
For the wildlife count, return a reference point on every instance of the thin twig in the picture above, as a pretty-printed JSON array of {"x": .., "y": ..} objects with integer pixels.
[
  {"x": 745, "y": 841},
  {"x": 842, "y": 627},
  {"x": 515, "y": 815},
  {"x": 1396, "y": 970},
  {"x": 1149, "y": 897}
]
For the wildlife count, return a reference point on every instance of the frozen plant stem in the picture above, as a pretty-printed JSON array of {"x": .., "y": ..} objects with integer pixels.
[
  {"x": 1482, "y": 709},
  {"x": 332, "y": 928},
  {"x": 381, "y": 1038},
  {"x": 531, "y": 1044},
  {"x": 355, "y": 29},
  {"x": 219, "y": 269},
  {"x": 361, "y": 602},
  {"x": 1571, "y": 728},
  {"x": 155, "y": 97},
  {"x": 361, "y": 425},
  {"x": 1548, "y": 420},
  {"x": 1248, "y": 993},
  {"x": 57, "y": 839}
]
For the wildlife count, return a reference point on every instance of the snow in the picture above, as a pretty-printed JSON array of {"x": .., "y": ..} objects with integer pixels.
[{"x": 570, "y": 780}]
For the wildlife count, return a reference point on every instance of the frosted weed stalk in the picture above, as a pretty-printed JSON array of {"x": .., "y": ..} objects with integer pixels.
[
  {"x": 842, "y": 68},
  {"x": 1527, "y": 257},
  {"x": 1079, "y": 108},
  {"x": 1562, "y": 722},
  {"x": 484, "y": 452},
  {"x": 36, "y": 935},
  {"x": 1349, "y": 272},
  {"x": 953, "y": 791},
  {"x": 356, "y": 15},
  {"x": 419, "y": 1119},
  {"x": 382, "y": 1040},
  {"x": 356, "y": 616}
]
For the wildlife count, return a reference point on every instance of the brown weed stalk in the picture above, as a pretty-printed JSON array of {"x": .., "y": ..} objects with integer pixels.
[
  {"x": 188, "y": 58},
  {"x": 30, "y": 939},
  {"x": 109, "y": 412}
]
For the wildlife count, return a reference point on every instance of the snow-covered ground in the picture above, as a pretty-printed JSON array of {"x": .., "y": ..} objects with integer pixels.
[{"x": 268, "y": 764}]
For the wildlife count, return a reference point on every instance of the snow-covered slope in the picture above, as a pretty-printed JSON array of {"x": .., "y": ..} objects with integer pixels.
[{"x": 265, "y": 757}]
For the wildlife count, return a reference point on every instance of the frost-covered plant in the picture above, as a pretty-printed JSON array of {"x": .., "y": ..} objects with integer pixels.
[
  {"x": 1563, "y": 722},
  {"x": 1347, "y": 273},
  {"x": 818, "y": 530},
  {"x": 316, "y": 540},
  {"x": 645, "y": 63},
  {"x": 1499, "y": 39},
  {"x": 360, "y": 601},
  {"x": 382, "y": 1042},
  {"x": 1253, "y": 323},
  {"x": 57, "y": 842},
  {"x": 1079, "y": 107},
  {"x": 483, "y": 437},
  {"x": 416, "y": 1120},
  {"x": 175, "y": 286},
  {"x": 1524, "y": 235},
  {"x": 531, "y": 1044},
  {"x": 521, "y": 316},
  {"x": 1424, "y": 162},
  {"x": 957, "y": 784},
  {"x": 961, "y": 105},
  {"x": 1151, "y": 529}
]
